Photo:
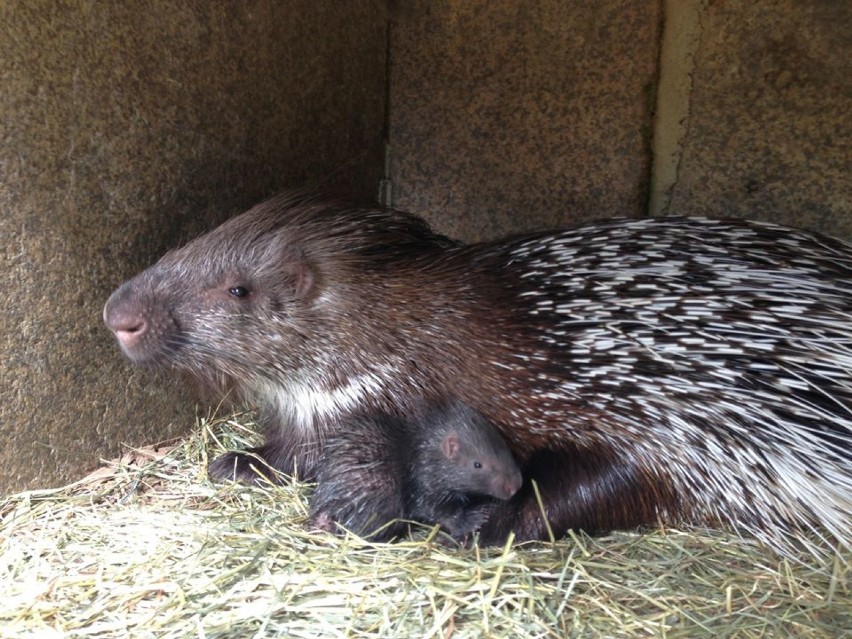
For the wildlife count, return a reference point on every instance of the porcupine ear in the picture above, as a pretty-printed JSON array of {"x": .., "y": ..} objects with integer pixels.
[
  {"x": 450, "y": 444},
  {"x": 300, "y": 276}
]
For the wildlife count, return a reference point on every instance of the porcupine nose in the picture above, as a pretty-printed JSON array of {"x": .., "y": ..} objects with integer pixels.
[
  {"x": 125, "y": 320},
  {"x": 510, "y": 485}
]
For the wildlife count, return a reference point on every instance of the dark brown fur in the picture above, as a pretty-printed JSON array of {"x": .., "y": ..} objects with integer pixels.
[{"x": 605, "y": 495}]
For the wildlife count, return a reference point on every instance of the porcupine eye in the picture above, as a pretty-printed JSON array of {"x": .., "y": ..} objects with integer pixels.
[
  {"x": 239, "y": 291},
  {"x": 477, "y": 465}
]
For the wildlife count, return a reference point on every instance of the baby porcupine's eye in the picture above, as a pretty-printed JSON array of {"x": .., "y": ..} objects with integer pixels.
[
  {"x": 477, "y": 465},
  {"x": 239, "y": 291}
]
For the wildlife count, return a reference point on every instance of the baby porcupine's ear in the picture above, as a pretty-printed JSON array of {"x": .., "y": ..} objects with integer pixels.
[{"x": 450, "y": 444}]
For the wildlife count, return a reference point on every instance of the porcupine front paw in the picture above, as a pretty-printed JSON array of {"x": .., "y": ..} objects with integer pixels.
[
  {"x": 246, "y": 467},
  {"x": 338, "y": 506},
  {"x": 466, "y": 520}
]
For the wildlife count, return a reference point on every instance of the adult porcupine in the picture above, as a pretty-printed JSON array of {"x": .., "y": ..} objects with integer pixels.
[
  {"x": 657, "y": 370},
  {"x": 445, "y": 464}
]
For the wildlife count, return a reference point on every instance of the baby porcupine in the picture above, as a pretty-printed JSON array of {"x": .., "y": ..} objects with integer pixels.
[{"x": 444, "y": 466}]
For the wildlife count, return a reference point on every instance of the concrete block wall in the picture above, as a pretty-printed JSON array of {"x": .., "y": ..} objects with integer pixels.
[
  {"x": 754, "y": 114},
  {"x": 127, "y": 127},
  {"x": 507, "y": 116}
]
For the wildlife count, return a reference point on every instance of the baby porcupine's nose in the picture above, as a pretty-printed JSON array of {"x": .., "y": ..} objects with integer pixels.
[{"x": 508, "y": 486}]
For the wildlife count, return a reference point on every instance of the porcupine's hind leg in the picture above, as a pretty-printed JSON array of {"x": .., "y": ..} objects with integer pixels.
[{"x": 587, "y": 489}]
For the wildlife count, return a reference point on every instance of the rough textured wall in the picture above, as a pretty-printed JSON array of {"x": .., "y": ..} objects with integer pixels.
[
  {"x": 508, "y": 116},
  {"x": 125, "y": 128},
  {"x": 514, "y": 115},
  {"x": 759, "y": 95}
]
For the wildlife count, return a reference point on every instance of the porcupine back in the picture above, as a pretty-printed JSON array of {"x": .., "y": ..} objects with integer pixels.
[{"x": 719, "y": 356}]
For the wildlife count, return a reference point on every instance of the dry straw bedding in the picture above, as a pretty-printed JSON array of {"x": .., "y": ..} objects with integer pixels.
[{"x": 149, "y": 547}]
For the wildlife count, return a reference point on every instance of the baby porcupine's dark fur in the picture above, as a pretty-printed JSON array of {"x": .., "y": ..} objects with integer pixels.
[
  {"x": 663, "y": 370},
  {"x": 444, "y": 465}
]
